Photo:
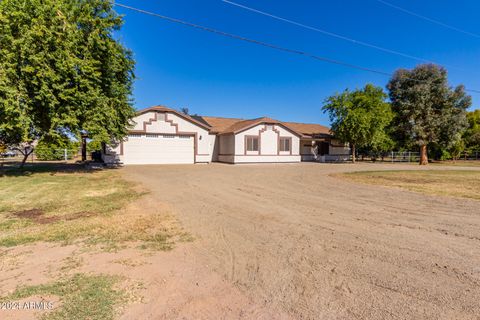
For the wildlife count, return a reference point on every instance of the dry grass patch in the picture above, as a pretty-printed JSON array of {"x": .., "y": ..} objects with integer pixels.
[
  {"x": 459, "y": 163},
  {"x": 96, "y": 207},
  {"x": 81, "y": 297},
  {"x": 456, "y": 183}
]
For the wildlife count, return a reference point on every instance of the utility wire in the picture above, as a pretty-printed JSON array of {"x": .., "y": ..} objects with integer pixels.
[
  {"x": 264, "y": 44},
  {"x": 331, "y": 34},
  {"x": 429, "y": 19}
]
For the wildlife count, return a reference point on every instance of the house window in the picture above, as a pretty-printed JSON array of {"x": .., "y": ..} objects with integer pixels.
[
  {"x": 168, "y": 136},
  {"x": 134, "y": 135},
  {"x": 184, "y": 137},
  {"x": 252, "y": 143},
  {"x": 152, "y": 135},
  {"x": 285, "y": 144}
]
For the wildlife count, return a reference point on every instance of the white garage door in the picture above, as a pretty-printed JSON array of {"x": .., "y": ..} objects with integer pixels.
[{"x": 158, "y": 149}]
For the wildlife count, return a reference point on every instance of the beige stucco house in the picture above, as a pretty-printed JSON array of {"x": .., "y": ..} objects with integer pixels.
[{"x": 162, "y": 135}]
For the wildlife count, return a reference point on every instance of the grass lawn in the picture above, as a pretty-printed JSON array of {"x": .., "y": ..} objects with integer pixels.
[
  {"x": 459, "y": 163},
  {"x": 456, "y": 183},
  {"x": 46, "y": 204},
  {"x": 82, "y": 296},
  {"x": 90, "y": 208}
]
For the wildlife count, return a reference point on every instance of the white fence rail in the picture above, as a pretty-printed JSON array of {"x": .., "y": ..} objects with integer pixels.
[
  {"x": 41, "y": 155},
  {"x": 391, "y": 156},
  {"x": 404, "y": 156},
  {"x": 472, "y": 155},
  {"x": 335, "y": 158},
  {"x": 410, "y": 156}
]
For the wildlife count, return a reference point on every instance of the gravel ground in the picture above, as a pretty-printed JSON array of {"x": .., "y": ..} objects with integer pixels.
[{"x": 295, "y": 239}]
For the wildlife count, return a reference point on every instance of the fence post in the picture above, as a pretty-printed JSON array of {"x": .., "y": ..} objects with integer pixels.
[
  {"x": 65, "y": 155},
  {"x": 392, "y": 156},
  {"x": 409, "y": 152}
]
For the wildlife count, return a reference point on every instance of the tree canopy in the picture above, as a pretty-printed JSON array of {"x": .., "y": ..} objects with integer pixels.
[
  {"x": 360, "y": 117},
  {"x": 472, "y": 134},
  {"x": 62, "y": 72},
  {"x": 427, "y": 110}
]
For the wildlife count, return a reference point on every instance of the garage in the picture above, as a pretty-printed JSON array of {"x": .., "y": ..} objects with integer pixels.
[
  {"x": 159, "y": 135},
  {"x": 159, "y": 149}
]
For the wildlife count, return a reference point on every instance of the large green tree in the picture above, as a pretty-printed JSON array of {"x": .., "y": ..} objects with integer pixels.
[
  {"x": 427, "y": 110},
  {"x": 360, "y": 117},
  {"x": 62, "y": 72},
  {"x": 472, "y": 134}
]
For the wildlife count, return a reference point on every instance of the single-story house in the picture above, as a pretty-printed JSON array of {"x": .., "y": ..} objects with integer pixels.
[{"x": 161, "y": 135}]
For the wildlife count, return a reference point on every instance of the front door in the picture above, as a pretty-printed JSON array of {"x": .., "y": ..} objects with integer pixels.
[{"x": 323, "y": 148}]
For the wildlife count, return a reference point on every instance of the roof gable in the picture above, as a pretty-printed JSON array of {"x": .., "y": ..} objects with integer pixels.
[
  {"x": 247, "y": 124},
  {"x": 179, "y": 114}
]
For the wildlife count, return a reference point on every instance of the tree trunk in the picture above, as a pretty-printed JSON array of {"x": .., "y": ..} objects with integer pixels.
[
  {"x": 25, "y": 157},
  {"x": 353, "y": 153},
  {"x": 26, "y": 152},
  {"x": 423, "y": 155},
  {"x": 84, "y": 148}
]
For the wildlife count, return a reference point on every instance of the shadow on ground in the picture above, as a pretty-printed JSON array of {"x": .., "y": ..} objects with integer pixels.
[{"x": 13, "y": 168}]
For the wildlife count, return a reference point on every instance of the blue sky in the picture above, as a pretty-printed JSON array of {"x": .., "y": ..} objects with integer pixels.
[{"x": 212, "y": 75}]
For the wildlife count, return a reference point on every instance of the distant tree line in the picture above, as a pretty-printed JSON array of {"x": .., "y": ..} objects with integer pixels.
[{"x": 423, "y": 112}]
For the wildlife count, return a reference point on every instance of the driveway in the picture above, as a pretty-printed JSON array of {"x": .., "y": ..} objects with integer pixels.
[{"x": 296, "y": 239}]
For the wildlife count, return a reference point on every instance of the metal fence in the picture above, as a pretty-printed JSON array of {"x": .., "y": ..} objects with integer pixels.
[
  {"x": 410, "y": 156},
  {"x": 42, "y": 155},
  {"x": 404, "y": 156},
  {"x": 391, "y": 156},
  {"x": 470, "y": 155}
]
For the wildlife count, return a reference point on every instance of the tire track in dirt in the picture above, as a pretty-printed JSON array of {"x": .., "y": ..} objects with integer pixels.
[
  {"x": 296, "y": 238},
  {"x": 231, "y": 254}
]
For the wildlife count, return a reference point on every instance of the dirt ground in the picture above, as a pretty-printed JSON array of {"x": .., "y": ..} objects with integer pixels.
[
  {"x": 289, "y": 241},
  {"x": 296, "y": 240}
]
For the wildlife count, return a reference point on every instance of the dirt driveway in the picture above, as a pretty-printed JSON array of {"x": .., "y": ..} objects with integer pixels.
[{"x": 295, "y": 239}]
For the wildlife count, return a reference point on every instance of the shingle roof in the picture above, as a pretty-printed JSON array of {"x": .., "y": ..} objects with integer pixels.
[
  {"x": 222, "y": 125},
  {"x": 231, "y": 125},
  {"x": 308, "y": 128},
  {"x": 217, "y": 124}
]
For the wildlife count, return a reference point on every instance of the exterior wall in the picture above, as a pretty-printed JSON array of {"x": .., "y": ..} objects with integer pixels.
[
  {"x": 226, "y": 148},
  {"x": 226, "y": 145},
  {"x": 339, "y": 148},
  {"x": 202, "y": 136},
  {"x": 336, "y": 149},
  {"x": 226, "y": 158},
  {"x": 264, "y": 159},
  {"x": 307, "y": 150},
  {"x": 213, "y": 147},
  {"x": 233, "y": 148}
]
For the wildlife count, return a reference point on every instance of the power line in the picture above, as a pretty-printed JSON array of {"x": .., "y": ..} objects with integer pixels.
[
  {"x": 429, "y": 19},
  {"x": 265, "y": 44},
  {"x": 261, "y": 43},
  {"x": 331, "y": 34}
]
